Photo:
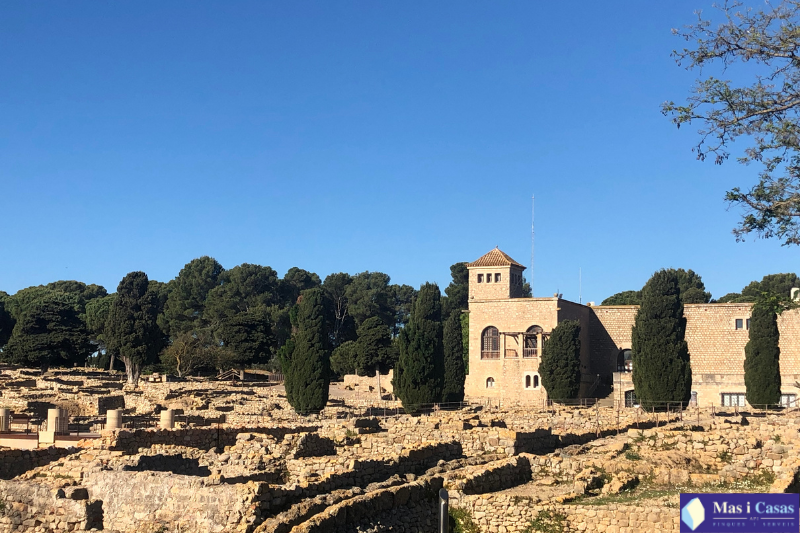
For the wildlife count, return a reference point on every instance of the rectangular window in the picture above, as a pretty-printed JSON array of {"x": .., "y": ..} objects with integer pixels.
[
  {"x": 739, "y": 323},
  {"x": 748, "y": 323},
  {"x": 630, "y": 399},
  {"x": 497, "y": 278},
  {"x": 788, "y": 400},
  {"x": 488, "y": 278},
  {"x": 480, "y": 278},
  {"x": 732, "y": 399}
]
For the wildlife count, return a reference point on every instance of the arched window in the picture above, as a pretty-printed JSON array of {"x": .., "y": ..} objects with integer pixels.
[
  {"x": 490, "y": 343},
  {"x": 489, "y": 383},
  {"x": 625, "y": 361},
  {"x": 531, "y": 348},
  {"x": 531, "y": 380}
]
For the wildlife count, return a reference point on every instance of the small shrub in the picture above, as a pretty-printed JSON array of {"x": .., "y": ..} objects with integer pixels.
[
  {"x": 777, "y": 439},
  {"x": 548, "y": 522},
  {"x": 461, "y": 521},
  {"x": 763, "y": 477},
  {"x": 725, "y": 456},
  {"x": 350, "y": 433},
  {"x": 632, "y": 456}
]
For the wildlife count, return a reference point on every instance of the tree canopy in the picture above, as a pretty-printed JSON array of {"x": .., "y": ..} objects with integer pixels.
[
  {"x": 6, "y": 323},
  {"x": 344, "y": 358},
  {"x": 560, "y": 367},
  {"x": 661, "y": 368},
  {"x": 692, "y": 290},
  {"x": 624, "y": 298},
  {"x": 763, "y": 110},
  {"x": 779, "y": 285},
  {"x": 131, "y": 329},
  {"x": 373, "y": 347},
  {"x": 308, "y": 369},
  {"x": 762, "y": 371},
  {"x": 458, "y": 291},
  {"x": 50, "y": 331},
  {"x": 244, "y": 288},
  {"x": 453, "y": 353},
  {"x": 185, "y": 304},
  {"x": 418, "y": 374}
]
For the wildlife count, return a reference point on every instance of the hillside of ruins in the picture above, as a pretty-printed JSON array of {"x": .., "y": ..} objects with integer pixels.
[{"x": 81, "y": 451}]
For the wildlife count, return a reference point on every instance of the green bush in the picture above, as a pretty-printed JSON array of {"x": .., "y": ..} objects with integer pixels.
[
  {"x": 461, "y": 521},
  {"x": 548, "y": 522}
]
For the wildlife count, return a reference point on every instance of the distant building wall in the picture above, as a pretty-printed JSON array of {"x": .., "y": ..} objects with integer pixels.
[{"x": 716, "y": 347}]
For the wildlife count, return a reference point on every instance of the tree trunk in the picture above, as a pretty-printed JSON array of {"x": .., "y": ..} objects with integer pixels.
[
  {"x": 111, "y": 363},
  {"x": 378, "y": 375},
  {"x": 133, "y": 371}
]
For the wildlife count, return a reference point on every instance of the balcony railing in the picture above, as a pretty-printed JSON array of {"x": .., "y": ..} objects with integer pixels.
[
  {"x": 490, "y": 355},
  {"x": 530, "y": 353}
]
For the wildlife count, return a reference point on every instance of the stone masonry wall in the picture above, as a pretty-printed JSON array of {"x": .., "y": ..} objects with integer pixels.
[
  {"x": 15, "y": 462},
  {"x": 511, "y": 317}
]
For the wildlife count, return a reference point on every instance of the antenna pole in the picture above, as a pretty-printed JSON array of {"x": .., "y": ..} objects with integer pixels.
[
  {"x": 533, "y": 235},
  {"x": 580, "y": 286}
]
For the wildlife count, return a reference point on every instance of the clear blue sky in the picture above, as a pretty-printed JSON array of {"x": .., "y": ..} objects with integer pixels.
[{"x": 350, "y": 136}]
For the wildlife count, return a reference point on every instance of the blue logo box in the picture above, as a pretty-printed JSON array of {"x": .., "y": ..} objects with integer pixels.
[{"x": 745, "y": 513}]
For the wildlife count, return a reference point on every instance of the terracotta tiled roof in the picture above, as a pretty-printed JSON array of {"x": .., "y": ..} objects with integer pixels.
[{"x": 493, "y": 259}]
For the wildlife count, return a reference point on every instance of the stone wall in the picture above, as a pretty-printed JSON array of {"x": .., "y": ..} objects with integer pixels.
[
  {"x": 204, "y": 438},
  {"x": 185, "y": 503},
  {"x": 15, "y": 462},
  {"x": 29, "y": 507},
  {"x": 369, "y": 383},
  {"x": 511, "y": 317},
  {"x": 512, "y": 514}
]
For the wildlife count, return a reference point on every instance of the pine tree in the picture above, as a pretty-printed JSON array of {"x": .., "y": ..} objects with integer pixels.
[
  {"x": 661, "y": 368},
  {"x": 418, "y": 373},
  {"x": 344, "y": 357},
  {"x": 308, "y": 372},
  {"x": 454, "y": 373},
  {"x": 762, "y": 372},
  {"x": 560, "y": 367},
  {"x": 49, "y": 332}
]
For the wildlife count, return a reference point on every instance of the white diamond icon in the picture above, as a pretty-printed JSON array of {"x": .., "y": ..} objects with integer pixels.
[{"x": 693, "y": 513}]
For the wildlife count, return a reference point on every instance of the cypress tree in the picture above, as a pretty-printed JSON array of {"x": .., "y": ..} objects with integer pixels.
[
  {"x": 762, "y": 372},
  {"x": 418, "y": 373},
  {"x": 131, "y": 329},
  {"x": 661, "y": 368},
  {"x": 454, "y": 373},
  {"x": 308, "y": 372},
  {"x": 560, "y": 367},
  {"x": 373, "y": 347}
]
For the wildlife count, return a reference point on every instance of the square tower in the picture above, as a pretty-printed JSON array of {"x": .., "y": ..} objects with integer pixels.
[{"x": 495, "y": 276}]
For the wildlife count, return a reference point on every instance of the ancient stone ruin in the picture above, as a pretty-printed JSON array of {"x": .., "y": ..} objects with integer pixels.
[{"x": 82, "y": 451}]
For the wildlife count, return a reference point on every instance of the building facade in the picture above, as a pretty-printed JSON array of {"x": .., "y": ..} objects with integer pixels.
[{"x": 506, "y": 332}]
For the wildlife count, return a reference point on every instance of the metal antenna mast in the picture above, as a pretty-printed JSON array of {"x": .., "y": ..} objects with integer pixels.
[{"x": 533, "y": 234}]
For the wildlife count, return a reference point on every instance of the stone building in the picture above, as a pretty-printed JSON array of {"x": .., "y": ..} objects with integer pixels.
[{"x": 506, "y": 332}]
